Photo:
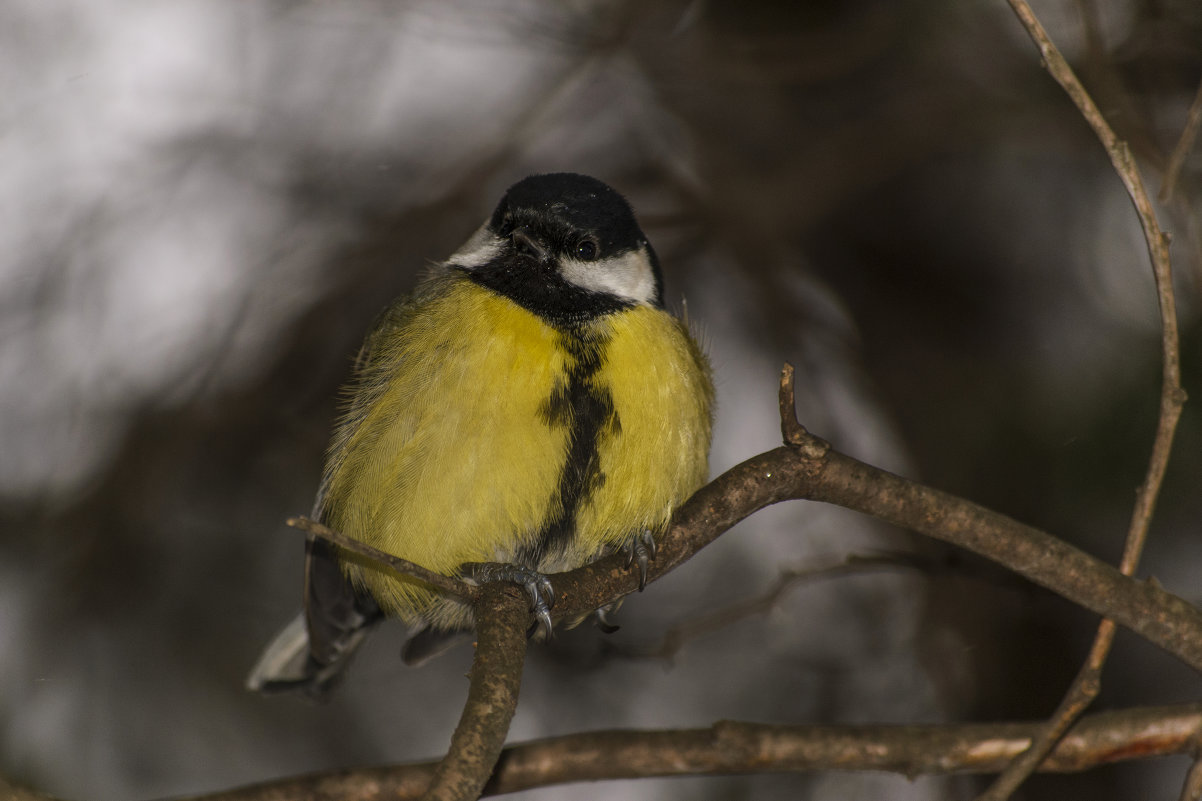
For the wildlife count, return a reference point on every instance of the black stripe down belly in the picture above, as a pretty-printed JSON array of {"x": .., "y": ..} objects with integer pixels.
[{"x": 586, "y": 409}]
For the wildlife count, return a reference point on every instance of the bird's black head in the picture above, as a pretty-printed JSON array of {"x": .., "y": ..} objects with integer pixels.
[{"x": 566, "y": 247}]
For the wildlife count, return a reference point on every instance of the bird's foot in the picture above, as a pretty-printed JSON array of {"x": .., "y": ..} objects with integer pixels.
[
  {"x": 601, "y": 617},
  {"x": 536, "y": 585},
  {"x": 640, "y": 549}
]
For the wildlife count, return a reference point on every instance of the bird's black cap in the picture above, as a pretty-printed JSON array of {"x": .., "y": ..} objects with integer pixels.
[
  {"x": 582, "y": 202},
  {"x": 570, "y": 217}
]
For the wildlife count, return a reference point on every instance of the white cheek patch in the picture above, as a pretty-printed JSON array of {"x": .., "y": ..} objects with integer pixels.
[
  {"x": 628, "y": 276},
  {"x": 478, "y": 250}
]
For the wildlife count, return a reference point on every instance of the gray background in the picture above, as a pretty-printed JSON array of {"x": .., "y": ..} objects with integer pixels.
[{"x": 203, "y": 204}]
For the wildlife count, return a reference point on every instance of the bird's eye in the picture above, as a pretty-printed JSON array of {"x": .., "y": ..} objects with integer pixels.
[{"x": 587, "y": 249}]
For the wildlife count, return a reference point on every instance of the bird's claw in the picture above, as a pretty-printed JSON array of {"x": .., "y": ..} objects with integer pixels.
[
  {"x": 542, "y": 598},
  {"x": 641, "y": 549},
  {"x": 601, "y": 617},
  {"x": 536, "y": 585}
]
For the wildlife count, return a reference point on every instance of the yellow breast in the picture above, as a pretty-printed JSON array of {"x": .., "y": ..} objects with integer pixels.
[
  {"x": 460, "y": 430},
  {"x": 663, "y": 396}
]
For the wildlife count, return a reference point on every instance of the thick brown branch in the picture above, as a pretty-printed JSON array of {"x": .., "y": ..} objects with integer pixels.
[
  {"x": 729, "y": 747},
  {"x": 813, "y": 471},
  {"x": 501, "y": 616}
]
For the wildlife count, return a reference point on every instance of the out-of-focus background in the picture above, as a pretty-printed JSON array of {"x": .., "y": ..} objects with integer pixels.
[{"x": 203, "y": 205}]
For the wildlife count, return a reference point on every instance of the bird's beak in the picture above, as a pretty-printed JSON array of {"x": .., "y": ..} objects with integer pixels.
[{"x": 528, "y": 244}]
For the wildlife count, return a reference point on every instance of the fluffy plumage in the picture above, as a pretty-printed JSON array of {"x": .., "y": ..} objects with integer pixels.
[{"x": 531, "y": 403}]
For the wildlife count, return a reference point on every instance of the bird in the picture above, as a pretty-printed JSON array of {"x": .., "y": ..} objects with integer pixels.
[{"x": 531, "y": 406}]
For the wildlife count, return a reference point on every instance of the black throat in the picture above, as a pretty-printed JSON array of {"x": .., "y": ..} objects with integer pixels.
[{"x": 541, "y": 290}]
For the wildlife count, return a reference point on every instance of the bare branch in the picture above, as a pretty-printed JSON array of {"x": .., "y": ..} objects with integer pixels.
[
  {"x": 1172, "y": 395},
  {"x": 1193, "y": 121},
  {"x": 496, "y": 677},
  {"x": 814, "y": 471},
  {"x": 1087, "y": 683},
  {"x": 1080, "y": 694},
  {"x": 677, "y": 636},
  {"x": 448, "y": 584},
  {"x": 733, "y": 747},
  {"x": 791, "y": 429}
]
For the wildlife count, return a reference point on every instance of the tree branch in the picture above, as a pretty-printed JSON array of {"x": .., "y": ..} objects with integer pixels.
[
  {"x": 1193, "y": 121},
  {"x": 496, "y": 677},
  {"x": 1088, "y": 681},
  {"x": 735, "y": 747},
  {"x": 677, "y": 636},
  {"x": 1191, "y": 790},
  {"x": 448, "y": 584},
  {"x": 812, "y": 470}
]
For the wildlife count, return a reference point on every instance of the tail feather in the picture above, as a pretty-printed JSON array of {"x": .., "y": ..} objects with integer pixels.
[
  {"x": 310, "y": 653},
  {"x": 284, "y": 659}
]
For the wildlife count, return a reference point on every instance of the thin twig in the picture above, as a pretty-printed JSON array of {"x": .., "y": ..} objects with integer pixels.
[
  {"x": 1087, "y": 683},
  {"x": 1192, "y": 789},
  {"x": 791, "y": 429},
  {"x": 735, "y": 747},
  {"x": 501, "y": 616},
  {"x": 1077, "y": 698},
  {"x": 1193, "y": 121},
  {"x": 448, "y": 584},
  {"x": 677, "y": 636},
  {"x": 1125, "y": 167}
]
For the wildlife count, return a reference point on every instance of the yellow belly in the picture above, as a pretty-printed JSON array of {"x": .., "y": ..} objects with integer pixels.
[
  {"x": 447, "y": 454},
  {"x": 661, "y": 390}
]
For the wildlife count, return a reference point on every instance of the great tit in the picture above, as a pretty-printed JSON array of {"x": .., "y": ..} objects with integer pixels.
[{"x": 531, "y": 403}]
